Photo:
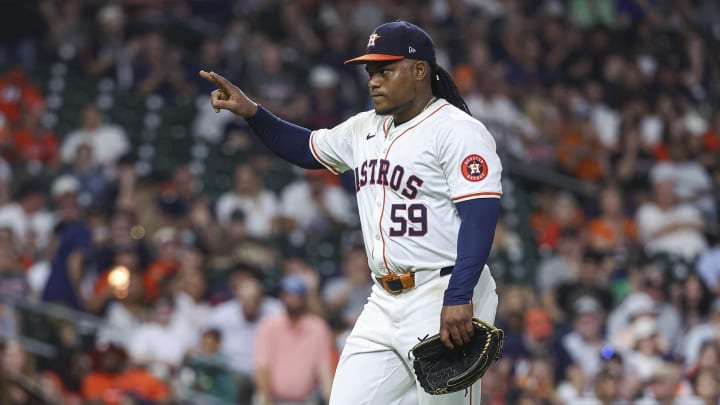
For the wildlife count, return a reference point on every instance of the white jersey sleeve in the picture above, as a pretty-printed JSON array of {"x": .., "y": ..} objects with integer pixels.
[
  {"x": 333, "y": 148},
  {"x": 468, "y": 157}
]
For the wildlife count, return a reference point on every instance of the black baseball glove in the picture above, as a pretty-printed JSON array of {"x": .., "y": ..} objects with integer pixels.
[{"x": 440, "y": 370}]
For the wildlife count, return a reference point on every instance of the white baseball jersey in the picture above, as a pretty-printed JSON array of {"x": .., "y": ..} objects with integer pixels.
[{"x": 407, "y": 179}]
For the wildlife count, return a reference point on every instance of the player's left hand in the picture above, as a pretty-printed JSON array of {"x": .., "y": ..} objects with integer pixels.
[{"x": 456, "y": 327}]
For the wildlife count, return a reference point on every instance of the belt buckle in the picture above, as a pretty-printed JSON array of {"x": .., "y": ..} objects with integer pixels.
[{"x": 397, "y": 283}]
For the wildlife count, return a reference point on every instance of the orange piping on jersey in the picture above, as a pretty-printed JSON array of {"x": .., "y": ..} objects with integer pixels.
[
  {"x": 317, "y": 156},
  {"x": 382, "y": 211},
  {"x": 486, "y": 193},
  {"x": 386, "y": 125}
]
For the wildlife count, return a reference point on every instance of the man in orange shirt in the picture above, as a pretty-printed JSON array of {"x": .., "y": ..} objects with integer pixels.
[
  {"x": 112, "y": 380},
  {"x": 293, "y": 351}
]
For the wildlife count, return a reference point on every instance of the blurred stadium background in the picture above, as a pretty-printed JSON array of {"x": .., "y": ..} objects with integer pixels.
[{"x": 144, "y": 237}]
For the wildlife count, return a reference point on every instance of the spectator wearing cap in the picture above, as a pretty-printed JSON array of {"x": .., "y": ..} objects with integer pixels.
[
  {"x": 65, "y": 191},
  {"x": 293, "y": 350},
  {"x": 651, "y": 297},
  {"x": 648, "y": 348},
  {"x": 250, "y": 196},
  {"x": 592, "y": 279},
  {"x": 238, "y": 319},
  {"x": 329, "y": 108},
  {"x": 583, "y": 344},
  {"x": 107, "y": 142},
  {"x": 71, "y": 255}
]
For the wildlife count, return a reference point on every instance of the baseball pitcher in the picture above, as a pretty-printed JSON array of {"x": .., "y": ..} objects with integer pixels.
[{"x": 427, "y": 181}]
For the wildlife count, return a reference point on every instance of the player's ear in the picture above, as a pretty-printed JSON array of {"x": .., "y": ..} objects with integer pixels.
[{"x": 421, "y": 70}]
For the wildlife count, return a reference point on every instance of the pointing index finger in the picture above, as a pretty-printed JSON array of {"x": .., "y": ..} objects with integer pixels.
[{"x": 219, "y": 81}]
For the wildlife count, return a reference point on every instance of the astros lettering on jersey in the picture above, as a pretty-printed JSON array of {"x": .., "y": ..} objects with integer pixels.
[{"x": 407, "y": 179}]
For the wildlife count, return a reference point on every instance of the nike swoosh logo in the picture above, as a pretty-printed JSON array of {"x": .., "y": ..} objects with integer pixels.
[{"x": 370, "y": 136}]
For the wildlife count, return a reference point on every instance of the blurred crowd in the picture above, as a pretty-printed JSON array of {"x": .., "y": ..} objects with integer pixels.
[{"x": 127, "y": 286}]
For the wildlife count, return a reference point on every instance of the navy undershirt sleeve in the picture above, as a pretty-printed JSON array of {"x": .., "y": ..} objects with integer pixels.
[
  {"x": 289, "y": 141},
  {"x": 478, "y": 218}
]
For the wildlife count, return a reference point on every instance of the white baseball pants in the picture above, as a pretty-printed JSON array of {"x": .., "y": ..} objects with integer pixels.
[{"x": 374, "y": 367}]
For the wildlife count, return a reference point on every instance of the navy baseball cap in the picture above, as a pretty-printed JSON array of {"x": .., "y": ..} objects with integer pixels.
[{"x": 395, "y": 41}]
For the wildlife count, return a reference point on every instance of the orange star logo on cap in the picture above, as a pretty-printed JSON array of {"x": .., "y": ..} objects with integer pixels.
[{"x": 371, "y": 41}]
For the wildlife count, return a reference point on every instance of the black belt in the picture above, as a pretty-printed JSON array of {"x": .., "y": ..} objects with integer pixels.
[{"x": 446, "y": 270}]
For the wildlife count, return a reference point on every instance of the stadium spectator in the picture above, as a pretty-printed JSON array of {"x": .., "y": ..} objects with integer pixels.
[
  {"x": 329, "y": 106},
  {"x": 213, "y": 375},
  {"x": 107, "y": 142},
  {"x": 12, "y": 276},
  {"x": 124, "y": 305},
  {"x": 612, "y": 231},
  {"x": 114, "y": 380},
  {"x": 94, "y": 187},
  {"x": 701, "y": 336},
  {"x": 708, "y": 267},
  {"x": 240, "y": 318},
  {"x": 19, "y": 93},
  {"x": 249, "y": 195},
  {"x": 345, "y": 296},
  {"x": 18, "y": 376},
  {"x": 67, "y": 266},
  {"x": 583, "y": 344},
  {"x": 556, "y": 212},
  {"x": 33, "y": 143},
  {"x": 162, "y": 342},
  {"x": 314, "y": 206},
  {"x": 160, "y": 271},
  {"x": 293, "y": 350},
  {"x": 665, "y": 225},
  {"x": 634, "y": 80},
  {"x": 28, "y": 217},
  {"x": 692, "y": 181},
  {"x": 190, "y": 290}
]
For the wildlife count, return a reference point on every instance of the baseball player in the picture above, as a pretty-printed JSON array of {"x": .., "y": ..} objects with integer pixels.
[{"x": 427, "y": 180}]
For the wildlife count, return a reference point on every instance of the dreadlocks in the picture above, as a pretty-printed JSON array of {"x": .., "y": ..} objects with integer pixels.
[{"x": 443, "y": 86}]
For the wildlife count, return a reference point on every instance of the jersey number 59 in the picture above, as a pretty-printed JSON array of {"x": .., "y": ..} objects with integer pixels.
[{"x": 408, "y": 219}]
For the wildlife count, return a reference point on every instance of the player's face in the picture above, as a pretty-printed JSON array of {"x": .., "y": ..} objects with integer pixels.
[{"x": 392, "y": 85}]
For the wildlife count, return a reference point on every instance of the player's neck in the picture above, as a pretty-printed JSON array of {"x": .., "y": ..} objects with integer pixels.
[{"x": 418, "y": 106}]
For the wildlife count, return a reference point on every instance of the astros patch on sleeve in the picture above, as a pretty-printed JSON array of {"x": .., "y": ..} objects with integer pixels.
[{"x": 470, "y": 162}]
